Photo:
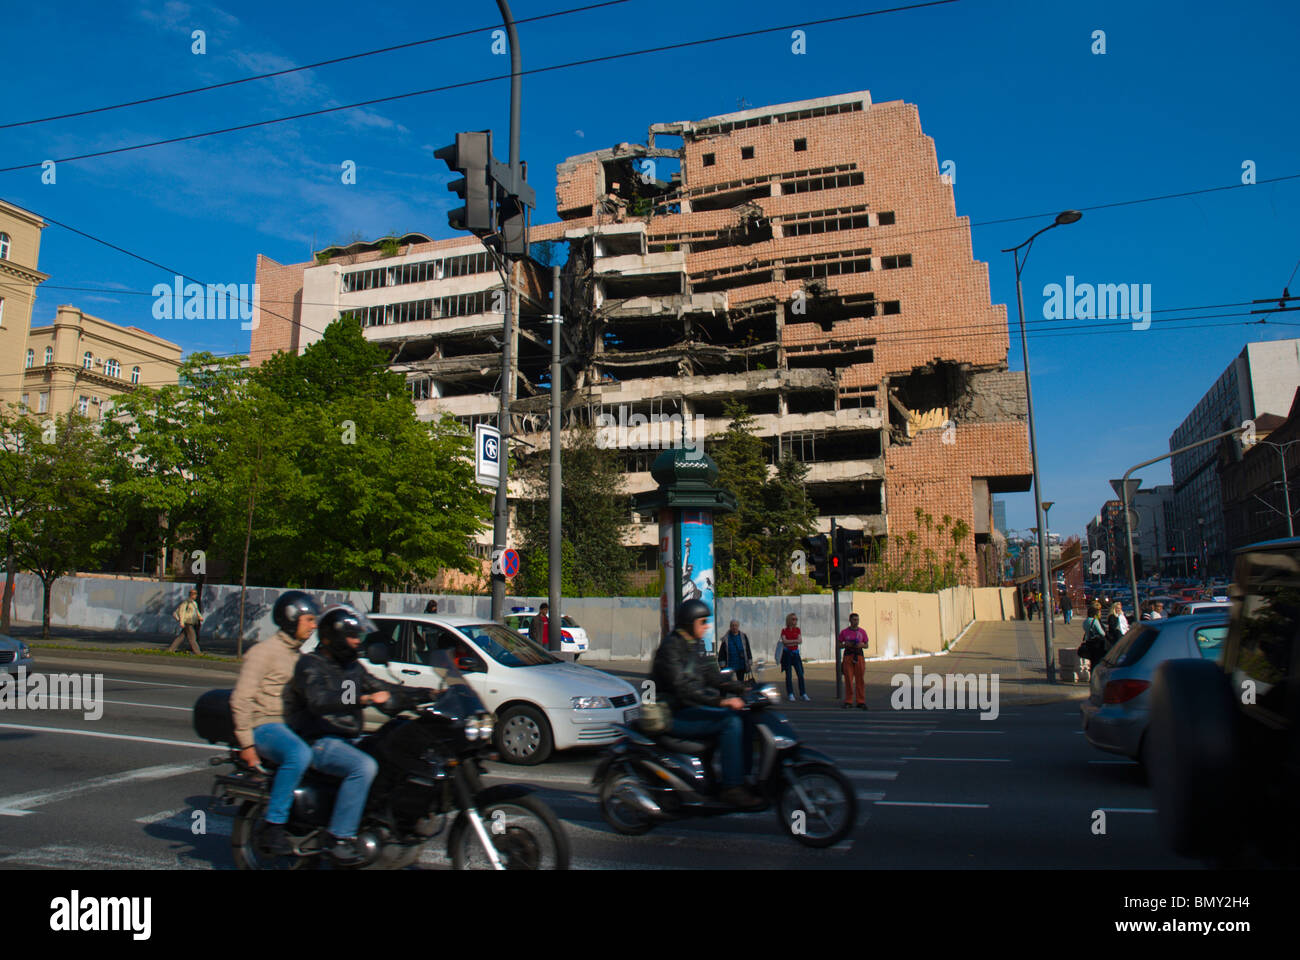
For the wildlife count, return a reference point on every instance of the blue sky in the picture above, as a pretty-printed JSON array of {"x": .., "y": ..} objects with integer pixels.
[{"x": 1010, "y": 90}]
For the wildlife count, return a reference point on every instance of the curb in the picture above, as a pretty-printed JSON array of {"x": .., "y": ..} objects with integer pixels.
[{"x": 160, "y": 659}]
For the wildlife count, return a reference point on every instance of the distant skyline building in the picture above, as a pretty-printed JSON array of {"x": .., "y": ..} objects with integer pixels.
[
  {"x": 1262, "y": 379},
  {"x": 1000, "y": 516}
]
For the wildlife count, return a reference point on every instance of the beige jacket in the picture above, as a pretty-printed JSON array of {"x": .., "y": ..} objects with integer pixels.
[
  {"x": 268, "y": 668},
  {"x": 188, "y": 613}
]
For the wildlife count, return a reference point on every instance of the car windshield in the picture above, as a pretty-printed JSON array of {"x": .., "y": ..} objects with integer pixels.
[
  {"x": 568, "y": 621},
  {"x": 505, "y": 646}
]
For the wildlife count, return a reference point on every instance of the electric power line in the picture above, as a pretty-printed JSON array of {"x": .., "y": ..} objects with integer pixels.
[{"x": 306, "y": 66}]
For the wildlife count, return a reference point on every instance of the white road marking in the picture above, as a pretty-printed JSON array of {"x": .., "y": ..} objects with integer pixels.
[
  {"x": 210, "y": 747},
  {"x": 876, "y": 797},
  {"x": 17, "y": 805},
  {"x": 870, "y": 774},
  {"x": 154, "y": 683},
  {"x": 924, "y": 803},
  {"x": 155, "y": 706},
  {"x": 960, "y": 759},
  {"x": 164, "y": 815}
]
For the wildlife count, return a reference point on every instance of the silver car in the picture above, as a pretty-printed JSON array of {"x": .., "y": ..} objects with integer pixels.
[
  {"x": 14, "y": 654},
  {"x": 1116, "y": 714}
]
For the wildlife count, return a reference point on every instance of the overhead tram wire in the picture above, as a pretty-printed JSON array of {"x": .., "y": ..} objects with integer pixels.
[
  {"x": 306, "y": 66},
  {"x": 470, "y": 83}
]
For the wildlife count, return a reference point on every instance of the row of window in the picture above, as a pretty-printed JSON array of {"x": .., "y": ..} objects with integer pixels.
[
  {"x": 747, "y": 153},
  {"x": 465, "y": 305},
  {"x": 111, "y": 367},
  {"x": 420, "y": 272}
]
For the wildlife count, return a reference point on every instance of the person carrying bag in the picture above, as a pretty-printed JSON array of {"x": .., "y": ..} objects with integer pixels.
[{"x": 1093, "y": 647}]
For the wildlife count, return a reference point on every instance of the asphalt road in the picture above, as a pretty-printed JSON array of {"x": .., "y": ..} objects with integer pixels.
[{"x": 936, "y": 789}]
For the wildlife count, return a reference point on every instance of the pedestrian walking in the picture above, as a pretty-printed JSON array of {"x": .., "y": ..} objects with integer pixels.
[
  {"x": 190, "y": 620},
  {"x": 788, "y": 646},
  {"x": 854, "y": 641},
  {"x": 539, "y": 630},
  {"x": 1093, "y": 647},
  {"x": 1067, "y": 607},
  {"x": 734, "y": 652},
  {"x": 1029, "y": 605}
]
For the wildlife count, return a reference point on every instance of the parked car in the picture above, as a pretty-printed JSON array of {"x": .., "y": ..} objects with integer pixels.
[
  {"x": 14, "y": 654},
  {"x": 1225, "y": 736},
  {"x": 1118, "y": 709},
  {"x": 573, "y": 639},
  {"x": 1201, "y": 606},
  {"x": 542, "y": 704}
]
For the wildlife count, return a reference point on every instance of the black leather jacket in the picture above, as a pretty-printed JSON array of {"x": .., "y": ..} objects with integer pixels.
[
  {"x": 315, "y": 704},
  {"x": 686, "y": 676}
]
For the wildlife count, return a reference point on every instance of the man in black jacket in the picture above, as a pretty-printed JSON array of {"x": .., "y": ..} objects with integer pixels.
[
  {"x": 325, "y": 705},
  {"x": 702, "y": 703}
]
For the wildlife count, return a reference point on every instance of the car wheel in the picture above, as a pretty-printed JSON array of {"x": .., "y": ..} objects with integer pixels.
[{"x": 523, "y": 736}]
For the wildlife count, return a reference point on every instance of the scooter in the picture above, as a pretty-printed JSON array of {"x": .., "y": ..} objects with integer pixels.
[{"x": 645, "y": 780}]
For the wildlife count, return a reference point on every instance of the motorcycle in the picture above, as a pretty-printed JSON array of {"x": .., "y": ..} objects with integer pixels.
[
  {"x": 648, "y": 779},
  {"x": 430, "y": 769}
]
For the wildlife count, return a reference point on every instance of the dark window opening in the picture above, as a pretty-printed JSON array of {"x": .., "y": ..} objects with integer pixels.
[
  {"x": 830, "y": 359},
  {"x": 733, "y": 198},
  {"x": 709, "y": 159},
  {"x": 829, "y": 224},
  {"x": 891, "y": 307},
  {"x": 893, "y": 263},
  {"x": 885, "y": 219},
  {"x": 732, "y": 281},
  {"x": 809, "y": 401},
  {"x": 800, "y": 145},
  {"x": 827, "y": 269},
  {"x": 839, "y": 502},
  {"x": 652, "y": 285},
  {"x": 642, "y": 334},
  {"x": 823, "y": 183},
  {"x": 746, "y": 153},
  {"x": 738, "y": 333}
]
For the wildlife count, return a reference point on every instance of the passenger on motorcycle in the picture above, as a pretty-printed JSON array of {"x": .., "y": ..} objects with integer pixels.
[
  {"x": 325, "y": 705},
  {"x": 703, "y": 703},
  {"x": 257, "y": 707}
]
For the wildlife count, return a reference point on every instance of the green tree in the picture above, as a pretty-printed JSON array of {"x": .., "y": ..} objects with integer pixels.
[
  {"x": 69, "y": 521},
  {"x": 742, "y": 469},
  {"x": 789, "y": 514},
  {"x": 593, "y": 519}
]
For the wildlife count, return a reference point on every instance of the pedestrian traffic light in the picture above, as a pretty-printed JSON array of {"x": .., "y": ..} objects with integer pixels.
[
  {"x": 849, "y": 547},
  {"x": 470, "y": 156},
  {"x": 818, "y": 561}
]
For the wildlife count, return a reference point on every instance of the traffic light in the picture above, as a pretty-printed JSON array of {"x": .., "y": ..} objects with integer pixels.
[
  {"x": 512, "y": 211},
  {"x": 818, "y": 561},
  {"x": 470, "y": 156},
  {"x": 852, "y": 554}
]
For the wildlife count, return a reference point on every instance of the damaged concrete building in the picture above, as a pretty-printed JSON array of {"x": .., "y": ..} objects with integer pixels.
[{"x": 805, "y": 259}]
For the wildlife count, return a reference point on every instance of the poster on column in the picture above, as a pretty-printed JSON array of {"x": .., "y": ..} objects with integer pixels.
[
  {"x": 667, "y": 602},
  {"x": 697, "y": 563}
]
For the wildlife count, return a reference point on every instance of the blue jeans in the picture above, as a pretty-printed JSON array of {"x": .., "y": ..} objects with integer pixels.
[
  {"x": 1068, "y": 613},
  {"x": 789, "y": 660},
  {"x": 357, "y": 768},
  {"x": 735, "y": 737},
  {"x": 290, "y": 753}
]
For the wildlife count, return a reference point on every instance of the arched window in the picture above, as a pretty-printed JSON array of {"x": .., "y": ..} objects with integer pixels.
[
  {"x": 49, "y": 355},
  {"x": 135, "y": 374},
  {"x": 113, "y": 368},
  {"x": 87, "y": 359},
  {"x": 31, "y": 357},
  {"x": 4, "y": 246}
]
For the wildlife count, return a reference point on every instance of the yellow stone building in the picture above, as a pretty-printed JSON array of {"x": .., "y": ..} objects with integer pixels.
[{"x": 20, "y": 246}]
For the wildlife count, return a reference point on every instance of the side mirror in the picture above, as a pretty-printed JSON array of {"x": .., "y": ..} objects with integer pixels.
[
  {"x": 377, "y": 653},
  {"x": 470, "y": 663}
]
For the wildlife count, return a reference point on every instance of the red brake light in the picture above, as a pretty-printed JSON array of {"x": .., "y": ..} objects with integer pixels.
[{"x": 1120, "y": 691}]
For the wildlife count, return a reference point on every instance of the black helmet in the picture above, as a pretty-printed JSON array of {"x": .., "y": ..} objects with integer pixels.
[
  {"x": 292, "y": 605},
  {"x": 690, "y": 611},
  {"x": 337, "y": 625}
]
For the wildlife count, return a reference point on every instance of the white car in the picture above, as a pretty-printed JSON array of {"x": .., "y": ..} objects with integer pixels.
[
  {"x": 573, "y": 638},
  {"x": 542, "y": 704}
]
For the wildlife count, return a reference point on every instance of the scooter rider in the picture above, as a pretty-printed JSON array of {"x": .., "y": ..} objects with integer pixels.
[
  {"x": 702, "y": 702},
  {"x": 257, "y": 706},
  {"x": 325, "y": 705}
]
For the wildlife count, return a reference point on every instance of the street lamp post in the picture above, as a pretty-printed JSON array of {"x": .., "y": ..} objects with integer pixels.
[
  {"x": 1047, "y": 597},
  {"x": 1066, "y": 216}
]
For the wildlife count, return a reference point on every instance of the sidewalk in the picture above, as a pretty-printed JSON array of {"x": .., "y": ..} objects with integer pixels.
[{"x": 1012, "y": 650}]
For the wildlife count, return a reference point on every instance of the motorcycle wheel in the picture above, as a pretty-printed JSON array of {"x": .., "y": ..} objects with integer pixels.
[
  {"x": 246, "y": 835},
  {"x": 526, "y": 834},
  {"x": 835, "y": 806},
  {"x": 619, "y": 813}
]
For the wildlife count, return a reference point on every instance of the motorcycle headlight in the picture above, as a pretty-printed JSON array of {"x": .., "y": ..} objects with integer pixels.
[
  {"x": 590, "y": 703},
  {"x": 472, "y": 729},
  {"x": 771, "y": 692}
]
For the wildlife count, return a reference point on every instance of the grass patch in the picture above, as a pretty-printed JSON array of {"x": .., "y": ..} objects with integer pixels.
[{"x": 54, "y": 644}]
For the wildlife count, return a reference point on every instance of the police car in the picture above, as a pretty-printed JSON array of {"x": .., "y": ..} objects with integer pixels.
[{"x": 573, "y": 637}]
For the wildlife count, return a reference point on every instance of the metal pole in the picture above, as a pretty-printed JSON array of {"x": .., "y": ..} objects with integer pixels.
[
  {"x": 556, "y": 491},
  {"x": 1286, "y": 489},
  {"x": 501, "y": 519},
  {"x": 835, "y": 640},
  {"x": 1128, "y": 536},
  {"x": 1038, "y": 487}
]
